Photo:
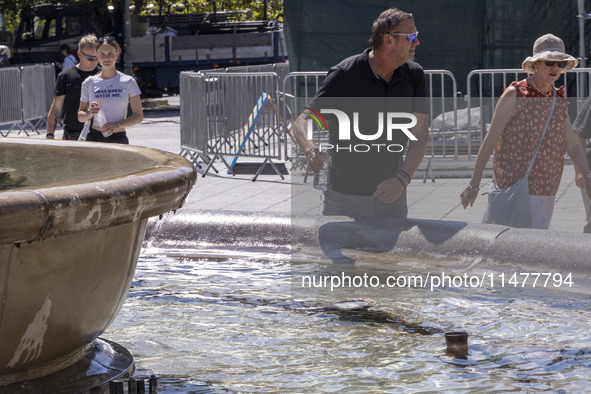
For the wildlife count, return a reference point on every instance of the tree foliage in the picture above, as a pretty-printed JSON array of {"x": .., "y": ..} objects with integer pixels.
[
  {"x": 11, "y": 8},
  {"x": 10, "y": 11},
  {"x": 145, "y": 7}
]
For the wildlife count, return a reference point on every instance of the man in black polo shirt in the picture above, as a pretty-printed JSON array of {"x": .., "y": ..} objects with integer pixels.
[
  {"x": 67, "y": 90},
  {"x": 375, "y": 107}
]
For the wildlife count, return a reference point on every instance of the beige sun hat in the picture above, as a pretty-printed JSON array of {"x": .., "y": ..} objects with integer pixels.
[{"x": 549, "y": 47}]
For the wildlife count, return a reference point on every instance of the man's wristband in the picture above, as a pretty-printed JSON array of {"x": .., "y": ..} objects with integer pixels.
[
  {"x": 587, "y": 176},
  {"x": 404, "y": 175},
  {"x": 309, "y": 152},
  {"x": 49, "y": 134},
  {"x": 401, "y": 181}
]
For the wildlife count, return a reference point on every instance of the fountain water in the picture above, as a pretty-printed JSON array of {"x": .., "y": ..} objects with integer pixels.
[
  {"x": 234, "y": 312},
  {"x": 72, "y": 219}
]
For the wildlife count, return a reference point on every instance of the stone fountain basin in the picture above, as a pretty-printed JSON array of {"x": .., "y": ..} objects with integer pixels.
[{"x": 70, "y": 236}]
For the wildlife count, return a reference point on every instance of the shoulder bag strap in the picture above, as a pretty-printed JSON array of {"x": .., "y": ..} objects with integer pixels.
[{"x": 533, "y": 158}]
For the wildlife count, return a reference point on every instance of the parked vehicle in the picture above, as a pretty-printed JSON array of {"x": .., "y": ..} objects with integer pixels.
[
  {"x": 45, "y": 27},
  {"x": 161, "y": 46}
]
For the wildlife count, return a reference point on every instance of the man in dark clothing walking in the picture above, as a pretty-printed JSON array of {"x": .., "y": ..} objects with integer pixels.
[{"x": 67, "y": 90}]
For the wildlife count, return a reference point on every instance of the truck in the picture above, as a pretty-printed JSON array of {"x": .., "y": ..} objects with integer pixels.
[{"x": 160, "y": 46}]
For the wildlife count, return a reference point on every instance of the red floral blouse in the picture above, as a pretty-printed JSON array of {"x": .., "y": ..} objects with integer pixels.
[{"x": 521, "y": 136}]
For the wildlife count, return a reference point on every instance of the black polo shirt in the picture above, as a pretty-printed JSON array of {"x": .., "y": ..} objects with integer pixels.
[{"x": 359, "y": 165}]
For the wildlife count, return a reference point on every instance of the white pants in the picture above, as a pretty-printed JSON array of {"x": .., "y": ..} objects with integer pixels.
[{"x": 541, "y": 209}]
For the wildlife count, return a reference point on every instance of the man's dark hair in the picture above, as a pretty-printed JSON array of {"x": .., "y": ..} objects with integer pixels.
[
  {"x": 66, "y": 47},
  {"x": 386, "y": 23}
]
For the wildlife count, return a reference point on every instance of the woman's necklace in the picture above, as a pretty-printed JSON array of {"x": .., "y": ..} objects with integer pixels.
[
  {"x": 112, "y": 80},
  {"x": 534, "y": 85}
]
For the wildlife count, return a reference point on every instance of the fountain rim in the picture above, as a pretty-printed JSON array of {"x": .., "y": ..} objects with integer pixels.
[
  {"x": 495, "y": 246},
  {"x": 34, "y": 214}
]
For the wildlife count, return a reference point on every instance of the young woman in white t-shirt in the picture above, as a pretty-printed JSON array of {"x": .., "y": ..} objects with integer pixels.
[{"x": 105, "y": 97}]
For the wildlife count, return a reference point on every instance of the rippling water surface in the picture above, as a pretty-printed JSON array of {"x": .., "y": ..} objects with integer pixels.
[{"x": 233, "y": 325}]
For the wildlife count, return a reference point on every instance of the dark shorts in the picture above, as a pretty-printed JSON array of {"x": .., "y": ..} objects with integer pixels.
[
  {"x": 341, "y": 204},
  {"x": 71, "y": 135},
  {"x": 97, "y": 136}
]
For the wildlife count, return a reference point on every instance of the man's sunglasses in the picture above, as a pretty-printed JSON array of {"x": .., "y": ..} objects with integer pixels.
[
  {"x": 89, "y": 58},
  {"x": 107, "y": 39},
  {"x": 560, "y": 64},
  {"x": 411, "y": 37}
]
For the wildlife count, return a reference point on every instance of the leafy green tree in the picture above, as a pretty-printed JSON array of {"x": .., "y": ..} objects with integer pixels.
[
  {"x": 10, "y": 11},
  {"x": 274, "y": 8}
]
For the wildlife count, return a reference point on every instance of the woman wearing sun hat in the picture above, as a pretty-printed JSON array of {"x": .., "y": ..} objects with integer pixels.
[{"x": 516, "y": 129}]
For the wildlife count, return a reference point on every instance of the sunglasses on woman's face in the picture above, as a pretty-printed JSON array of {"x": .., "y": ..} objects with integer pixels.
[
  {"x": 560, "y": 64},
  {"x": 102, "y": 40}
]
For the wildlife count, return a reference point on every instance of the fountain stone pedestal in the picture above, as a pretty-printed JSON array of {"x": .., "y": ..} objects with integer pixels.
[{"x": 72, "y": 220}]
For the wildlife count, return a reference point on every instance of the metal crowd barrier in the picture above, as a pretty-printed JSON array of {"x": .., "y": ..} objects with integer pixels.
[
  {"x": 298, "y": 90},
  {"x": 444, "y": 141},
  {"x": 193, "y": 106},
  {"x": 489, "y": 85},
  {"x": 300, "y": 87},
  {"x": 281, "y": 69},
  {"x": 212, "y": 112},
  {"x": 217, "y": 104},
  {"x": 26, "y": 96},
  {"x": 11, "y": 100},
  {"x": 238, "y": 117},
  {"x": 34, "y": 92}
]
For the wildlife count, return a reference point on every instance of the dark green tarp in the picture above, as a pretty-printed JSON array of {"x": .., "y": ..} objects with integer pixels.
[{"x": 455, "y": 35}]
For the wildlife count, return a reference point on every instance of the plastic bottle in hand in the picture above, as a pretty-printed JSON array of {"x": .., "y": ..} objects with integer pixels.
[
  {"x": 321, "y": 177},
  {"x": 84, "y": 132},
  {"x": 100, "y": 120}
]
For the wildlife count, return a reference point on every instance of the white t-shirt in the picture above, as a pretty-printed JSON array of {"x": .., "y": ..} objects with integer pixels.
[{"x": 112, "y": 95}]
